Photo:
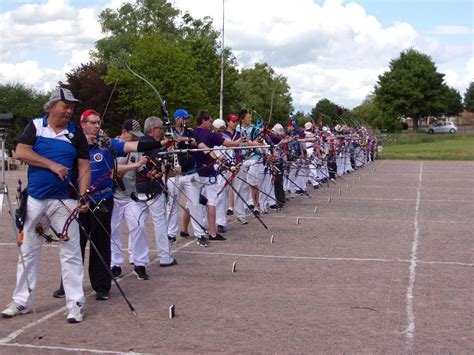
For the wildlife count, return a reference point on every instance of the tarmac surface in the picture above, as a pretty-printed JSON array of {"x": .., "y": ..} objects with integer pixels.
[{"x": 382, "y": 261}]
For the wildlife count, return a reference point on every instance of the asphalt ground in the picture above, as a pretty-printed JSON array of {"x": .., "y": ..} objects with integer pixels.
[{"x": 380, "y": 262}]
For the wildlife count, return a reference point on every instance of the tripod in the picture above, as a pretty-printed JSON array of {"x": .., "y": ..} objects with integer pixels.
[{"x": 4, "y": 195}]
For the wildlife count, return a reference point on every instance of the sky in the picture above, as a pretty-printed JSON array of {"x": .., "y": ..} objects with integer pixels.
[{"x": 332, "y": 49}]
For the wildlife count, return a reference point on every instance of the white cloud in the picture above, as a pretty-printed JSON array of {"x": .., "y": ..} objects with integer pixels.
[
  {"x": 333, "y": 50},
  {"x": 452, "y": 30}
]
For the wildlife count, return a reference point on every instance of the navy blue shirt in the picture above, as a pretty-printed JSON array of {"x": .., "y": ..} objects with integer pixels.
[
  {"x": 205, "y": 164},
  {"x": 102, "y": 161},
  {"x": 63, "y": 148}
]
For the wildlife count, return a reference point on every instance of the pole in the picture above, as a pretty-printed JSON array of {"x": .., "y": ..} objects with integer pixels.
[{"x": 221, "y": 103}]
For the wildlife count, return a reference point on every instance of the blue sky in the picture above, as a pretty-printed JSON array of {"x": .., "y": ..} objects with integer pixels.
[{"x": 326, "y": 48}]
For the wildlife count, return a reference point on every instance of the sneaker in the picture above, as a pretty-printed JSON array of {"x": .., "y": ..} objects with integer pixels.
[
  {"x": 256, "y": 212},
  {"x": 264, "y": 212},
  {"x": 183, "y": 234},
  {"x": 221, "y": 229},
  {"x": 116, "y": 271},
  {"x": 76, "y": 314},
  {"x": 315, "y": 187},
  {"x": 202, "y": 241},
  {"x": 171, "y": 239},
  {"x": 14, "y": 309},
  {"x": 218, "y": 237},
  {"x": 251, "y": 207},
  {"x": 140, "y": 272},
  {"x": 102, "y": 295},
  {"x": 242, "y": 220},
  {"x": 274, "y": 207},
  {"x": 174, "y": 262},
  {"x": 59, "y": 293},
  {"x": 229, "y": 212}
]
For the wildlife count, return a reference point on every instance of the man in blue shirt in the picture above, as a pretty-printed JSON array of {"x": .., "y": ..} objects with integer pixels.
[
  {"x": 53, "y": 147},
  {"x": 96, "y": 221}
]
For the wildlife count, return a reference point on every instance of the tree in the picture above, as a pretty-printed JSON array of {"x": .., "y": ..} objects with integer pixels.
[
  {"x": 170, "y": 68},
  {"x": 124, "y": 26},
  {"x": 25, "y": 103},
  {"x": 469, "y": 98},
  {"x": 373, "y": 116},
  {"x": 453, "y": 101},
  {"x": 327, "y": 111},
  {"x": 411, "y": 88},
  {"x": 260, "y": 87},
  {"x": 88, "y": 85}
]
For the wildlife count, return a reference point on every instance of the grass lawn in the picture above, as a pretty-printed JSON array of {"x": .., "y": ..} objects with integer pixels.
[{"x": 421, "y": 146}]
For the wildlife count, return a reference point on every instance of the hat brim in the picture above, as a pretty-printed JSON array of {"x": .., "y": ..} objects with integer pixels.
[{"x": 137, "y": 133}]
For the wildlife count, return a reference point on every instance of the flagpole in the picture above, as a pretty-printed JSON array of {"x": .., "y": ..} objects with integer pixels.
[{"x": 221, "y": 103}]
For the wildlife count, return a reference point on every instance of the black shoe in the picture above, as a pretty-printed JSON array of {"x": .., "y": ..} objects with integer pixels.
[
  {"x": 171, "y": 239},
  {"x": 116, "y": 271},
  {"x": 174, "y": 262},
  {"x": 102, "y": 296},
  {"x": 221, "y": 229},
  {"x": 315, "y": 187},
  {"x": 251, "y": 207},
  {"x": 202, "y": 241},
  {"x": 274, "y": 207},
  {"x": 140, "y": 272},
  {"x": 59, "y": 293},
  {"x": 183, "y": 234},
  {"x": 229, "y": 212},
  {"x": 256, "y": 212},
  {"x": 299, "y": 192},
  {"x": 218, "y": 237}
]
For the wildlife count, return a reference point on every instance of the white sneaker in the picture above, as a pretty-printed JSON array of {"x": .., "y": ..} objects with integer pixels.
[
  {"x": 76, "y": 314},
  {"x": 14, "y": 309}
]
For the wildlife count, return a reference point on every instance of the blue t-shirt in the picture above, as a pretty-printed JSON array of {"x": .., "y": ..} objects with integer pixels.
[
  {"x": 102, "y": 161},
  {"x": 63, "y": 148},
  {"x": 204, "y": 162}
]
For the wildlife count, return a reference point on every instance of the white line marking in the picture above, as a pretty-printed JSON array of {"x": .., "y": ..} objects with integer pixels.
[
  {"x": 66, "y": 349},
  {"x": 321, "y": 258},
  {"x": 18, "y": 332},
  {"x": 410, "y": 329}
]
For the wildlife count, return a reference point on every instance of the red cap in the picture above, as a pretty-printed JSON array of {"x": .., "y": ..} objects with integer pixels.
[
  {"x": 87, "y": 113},
  {"x": 232, "y": 117}
]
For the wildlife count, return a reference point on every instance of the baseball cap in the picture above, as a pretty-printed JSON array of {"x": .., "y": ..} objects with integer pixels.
[
  {"x": 181, "y": 113},
  {"x": 232, "y": 117},
  {"x": 88, "y": 113},
  {"x": 308, "y": 125},
  {"x": 133, "y": 126},
  {"x": 62, "y": 94},
  {"x": 218, "y": 123}
]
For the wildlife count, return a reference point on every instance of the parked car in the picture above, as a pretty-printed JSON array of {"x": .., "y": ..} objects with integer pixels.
[{"x": 442, "y": 127}]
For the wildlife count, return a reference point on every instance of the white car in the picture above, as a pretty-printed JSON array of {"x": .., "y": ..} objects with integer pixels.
[{"x": 442, "y": 127}]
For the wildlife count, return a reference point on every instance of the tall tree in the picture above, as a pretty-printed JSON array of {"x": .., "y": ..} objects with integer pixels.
[
  {"x": 453, "y": 102},
  {"x": 411, "y": 88},
  {"x": 469, "y": 98},
  {"x": 370, "y": 113},
  {"x": 327, "y": 111},
  {"x": 257, "y": 86},
  {"x": 130, "y": 22},
  {"x": 24, "y": 102},
  {"x": 170, "y": 68},
  {"x": 88, "y": 85}
]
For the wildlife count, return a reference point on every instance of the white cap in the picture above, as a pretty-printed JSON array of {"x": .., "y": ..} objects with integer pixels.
[
  {"x": 278, "y": 129},
  {"x": 218, "y": 123},
  {"x": 308, "y": 125}
]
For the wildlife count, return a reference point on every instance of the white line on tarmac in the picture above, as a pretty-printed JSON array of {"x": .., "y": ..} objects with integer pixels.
[
  {"x": 410, "y": 329},
  {"x": 406, "y": 261},
  {"x": 20, "y": 331},
  {"x": 93, "y": 351},
  {"x": 393, "y": 199}
]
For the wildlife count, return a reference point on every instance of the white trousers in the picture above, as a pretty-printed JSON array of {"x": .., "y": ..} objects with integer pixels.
[
  {"x": 189, "y": 186},
  {"x": 222, "y": 200},
  {"x": 49, "y": 212},
  {"x": 128, "y": 211},
  {"x": 157, "y": 208},
  {"x": 243, "y": 189}
]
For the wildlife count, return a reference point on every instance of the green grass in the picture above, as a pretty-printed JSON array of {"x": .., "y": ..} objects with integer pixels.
[{"x": 422, "y": 146}]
